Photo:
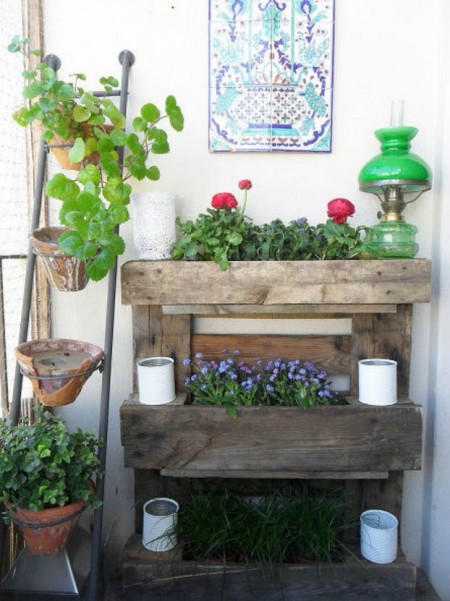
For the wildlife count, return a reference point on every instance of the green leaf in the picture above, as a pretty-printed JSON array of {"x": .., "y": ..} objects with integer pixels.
[
  {"x": 108, "y": 161},
  {"x": 235, "y": 238},
  {"x": 119, "y": 213},
  {"x": 115, "y": 190},
  {"x": 96, "y": 119},
  {"x": 150, "y": 112},
  {"x": 16, "y": 43},
  {"x": 64, "y": 91},
  {"x": 77, "y": 152},
  {"x": 105, "y": 145},
  {"x": 171, "y": 103},
  {"x": 113, "y": 243},
  {"x": 81, "y": 114},
  {"x": 160, "y": 148},
  {"x": 23, "y": 116},
  {"x": 118, "y": 137},
  {"x": 89, "y": 203},
  {"x": 87, "y": 251},
  {"x": 98, "y": 268},
  {"x": 29, "y": 74},
  {"x": 47, "y": 104},
  {"x": 69, "y": 242},
  {"x": 109, "y": 81},
  {"x": 134, "y": 145},
  {"x": 138, "y": 168},
  {"x": 60, "y": 186},
  {"x": 34, "y": 89},
  {"x": 113, "y": 114},
  {"x": 90, "y": 173},
  {"x": 176, "y": 119},
  {"x": 231, "y": 410},
  {"x": 158, "y": 135},
  {"x": 140, "y": 124},
  {"x": 153, "y": 173}
]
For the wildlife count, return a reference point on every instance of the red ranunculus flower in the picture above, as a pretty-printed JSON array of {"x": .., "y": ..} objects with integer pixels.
[
  {"x": 245, "y": 184},
  {"x": 339, "y": 209},
  {"x": 224, "y": 200}
]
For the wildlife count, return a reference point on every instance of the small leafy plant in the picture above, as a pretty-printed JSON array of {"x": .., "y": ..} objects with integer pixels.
[
  {"x": 96, "y": 202},
  {"x": 293, "y": 524},
  {"x": 218, "y": 235},
  {"x": 224, "y": 233},
  {"x": 233, "y": 383},
  {"x": 43, "y": 465}
]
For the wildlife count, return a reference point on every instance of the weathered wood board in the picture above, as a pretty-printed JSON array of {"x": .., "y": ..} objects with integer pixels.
[
  {"x": 166, "y": 576},
  {"x": 195, "y": 439},
  {"x": 331, "y": 353},
  {"x": 276, "y": 282}
]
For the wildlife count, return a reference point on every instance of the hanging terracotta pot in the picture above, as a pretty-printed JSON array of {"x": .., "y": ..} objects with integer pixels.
[
  {"x": 66, "y": 273},
  {"x": 60, "y": 148},
  {"x": 58, "y": 368}
]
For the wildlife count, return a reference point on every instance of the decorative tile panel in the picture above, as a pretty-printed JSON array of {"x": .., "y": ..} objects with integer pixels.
[{"x": 271, "y": 75}]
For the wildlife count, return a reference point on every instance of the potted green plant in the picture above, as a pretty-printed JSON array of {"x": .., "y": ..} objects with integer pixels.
[
  {"x": 233, "y": 383},
  {"x": 224, "y": 233},
  {"x": 46, "y": 477},
  {"x": 96, "y": 201}
]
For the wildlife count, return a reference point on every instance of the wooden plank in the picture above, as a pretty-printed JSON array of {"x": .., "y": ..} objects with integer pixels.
[
  {"x": 300, "y": 475},
  {"x": 331, "y": 353},
  {"x": 157, "y": 335},
  {"x": 276, "y": 311},
  {"x": 166, "y": 576},
  {"x": 276, "y": 282},
  {"x": 355, "y": 438},
  {"x": 386, "y": 494},
  {"x": 383, "y": 336}
]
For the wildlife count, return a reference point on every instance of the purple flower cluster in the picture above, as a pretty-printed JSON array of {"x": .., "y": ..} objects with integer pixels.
[{"x": 232, "y": 383}]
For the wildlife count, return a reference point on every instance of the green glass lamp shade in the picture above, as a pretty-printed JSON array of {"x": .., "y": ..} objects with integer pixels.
[{"x": 395, "y": 165}]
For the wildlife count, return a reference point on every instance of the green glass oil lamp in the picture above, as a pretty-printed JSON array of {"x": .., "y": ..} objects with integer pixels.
[{"x": 397, "y": 177}]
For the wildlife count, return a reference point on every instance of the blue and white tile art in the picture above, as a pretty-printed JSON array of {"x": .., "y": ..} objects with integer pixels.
[{"x": 271, "y": 75}]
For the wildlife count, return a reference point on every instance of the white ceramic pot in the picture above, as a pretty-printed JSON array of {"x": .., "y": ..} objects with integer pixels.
[
  {"x": 156, "y": 380},
  {"x": 377, "y": 381},
  {"x": 379, "y": 536},
  {"x": 160, "y": 519},
  {"x": 154, "y": 230}
]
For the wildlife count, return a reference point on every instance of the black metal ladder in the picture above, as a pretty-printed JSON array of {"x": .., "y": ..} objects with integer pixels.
[{"x": 94, "y": 592}]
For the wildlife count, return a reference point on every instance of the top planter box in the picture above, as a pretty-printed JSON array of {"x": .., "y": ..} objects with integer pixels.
[{"x": 272, "y": 283}]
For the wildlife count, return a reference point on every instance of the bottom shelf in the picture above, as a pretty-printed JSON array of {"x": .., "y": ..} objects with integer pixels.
[{"x": 167, "y": 576}]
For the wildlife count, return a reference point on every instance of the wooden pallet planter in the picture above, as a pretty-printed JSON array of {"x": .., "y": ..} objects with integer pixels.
[
  {"x": 278, "y": 442},
  {"x": 167, "y": 576},
  {"x": 365, "y": 448}
]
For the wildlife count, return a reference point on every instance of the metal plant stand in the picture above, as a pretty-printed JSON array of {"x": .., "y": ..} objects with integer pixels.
[{"x": 76, "y": 570}]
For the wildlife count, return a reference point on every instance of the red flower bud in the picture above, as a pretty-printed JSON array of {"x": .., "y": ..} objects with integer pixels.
[
  {"x": 339, "y": 209},
  {"x": 245, "y": 184},
  {"x": 224, "y": 200}
]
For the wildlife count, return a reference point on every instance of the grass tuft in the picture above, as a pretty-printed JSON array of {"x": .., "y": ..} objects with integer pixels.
[{"x": 291, "y": 525}]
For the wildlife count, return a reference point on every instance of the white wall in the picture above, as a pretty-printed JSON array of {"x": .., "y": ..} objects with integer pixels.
[{"x": 384, "y": 50}]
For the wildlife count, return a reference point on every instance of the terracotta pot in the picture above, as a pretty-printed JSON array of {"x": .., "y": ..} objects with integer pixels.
[
  {"x": 67, "y": 274},
  {"x": 60, "y": 149},
  {"x": 58, "y": 368},
  {"x": 46, "y": 532}
]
